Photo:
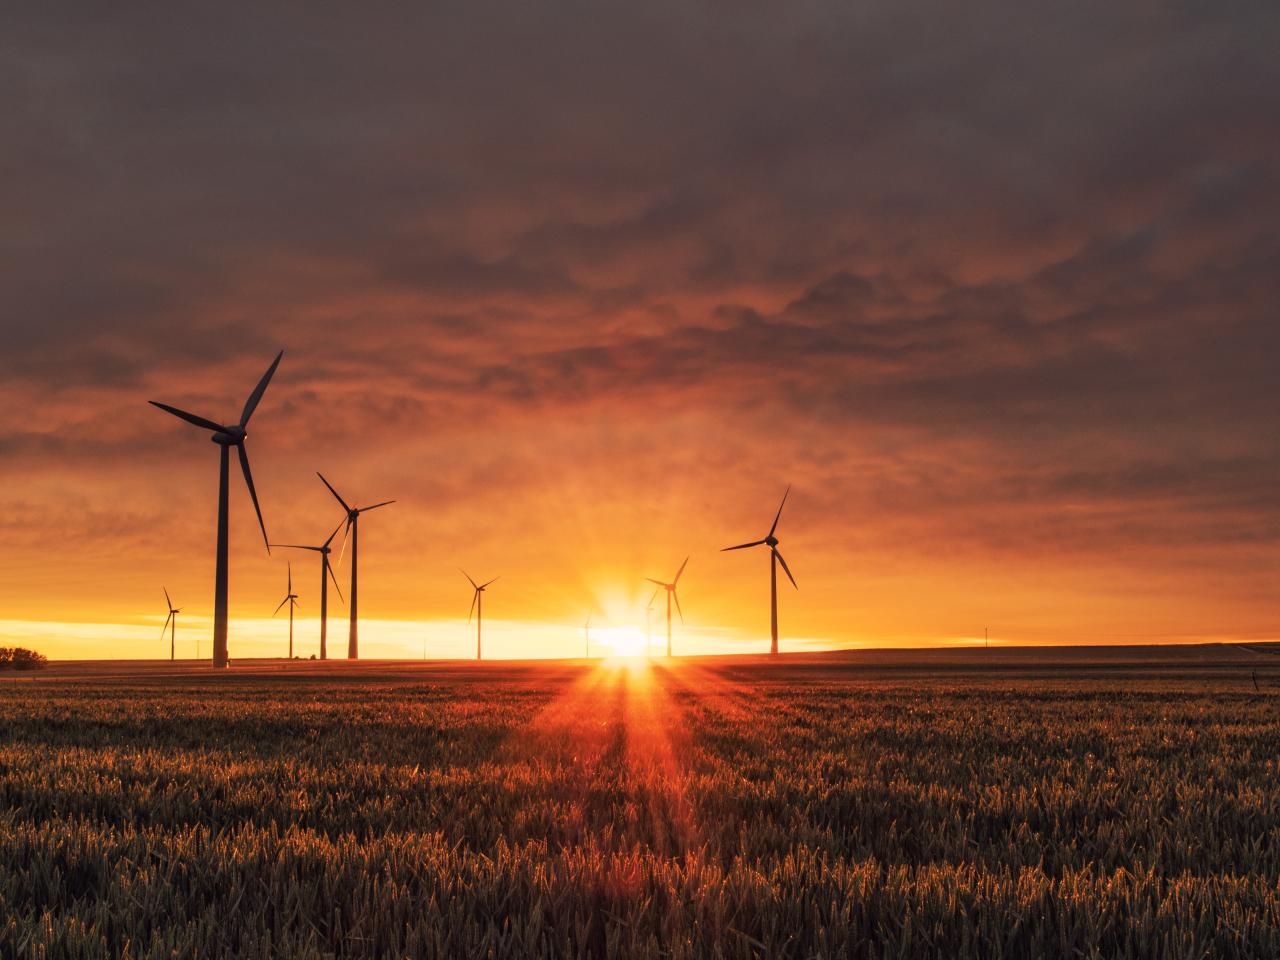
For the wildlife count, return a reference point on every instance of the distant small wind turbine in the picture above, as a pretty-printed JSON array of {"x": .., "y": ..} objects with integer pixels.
[
  {"x": 477, "y": 604},
  {"x": 774, "y": 559},
  {"x": 170, "y": 624},
  {"x": 227, "y": 437},
  {"x": 671, "y": 594},
  {"x": 648, "y": 625},
  {"x": 353, "y": 530},
  {"x": 291, "y": 599},
  {"x": 326, "y": 568}
]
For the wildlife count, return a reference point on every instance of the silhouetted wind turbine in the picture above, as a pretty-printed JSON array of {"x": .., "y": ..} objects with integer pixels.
[
  {"x": 227, "y": 437},
  {"x": 477, "y": 605},
  {"x": 353, "y": 531},
  {"x": 325, "y": 568},
  {"x": 172, "y": 618},
  {"x": 774, "y": 559},
  {"x": 291, "y": 599},
  {"x": 671, "y": 593}
]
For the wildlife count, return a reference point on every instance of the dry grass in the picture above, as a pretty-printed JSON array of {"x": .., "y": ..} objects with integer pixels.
[{"x": 823, "y": 808}]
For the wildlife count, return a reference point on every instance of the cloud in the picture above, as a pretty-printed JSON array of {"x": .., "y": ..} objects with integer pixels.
[{"x": 999, "y": 278}]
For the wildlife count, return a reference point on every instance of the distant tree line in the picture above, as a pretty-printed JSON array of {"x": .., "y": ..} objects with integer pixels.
[{"x": 20, "y": 658}]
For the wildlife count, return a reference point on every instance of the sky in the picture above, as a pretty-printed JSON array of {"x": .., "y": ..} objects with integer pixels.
[{"x": 584, "y": 287}]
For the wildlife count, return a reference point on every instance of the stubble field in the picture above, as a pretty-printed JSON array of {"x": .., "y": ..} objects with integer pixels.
[{"x": 974, "y": 804}]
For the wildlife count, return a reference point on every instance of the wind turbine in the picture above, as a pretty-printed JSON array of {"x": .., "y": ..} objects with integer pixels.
[
  {"x": 774, "y": 559},
  {"x": 477, "y": 605},
  {"x": 172, "y": 618},
  {"x": 325, "y": 568},
  {"x": 353, "y": 530},
  {"x": 227, "y": 437},
  {"x": 671, "y": 593},
  {"x": 291, "y": 599}
]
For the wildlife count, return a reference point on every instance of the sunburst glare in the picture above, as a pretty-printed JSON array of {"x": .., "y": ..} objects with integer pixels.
[{"x": 625, "y": 641}]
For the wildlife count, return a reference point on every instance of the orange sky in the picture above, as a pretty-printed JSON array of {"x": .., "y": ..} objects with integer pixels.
[{"x": 993, "y": 288}]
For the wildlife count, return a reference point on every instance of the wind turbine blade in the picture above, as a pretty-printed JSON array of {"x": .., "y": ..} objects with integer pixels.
[
  {"x": 253, "y": 494},
  {"x": 653, "y": 598},
  {"x": 376, "y": 506},
  {"x": 743, "y": 546},
  {"x": 475, "y": 595},
  {"x": 299, "y": 546},
  {"x": 468, "y": 576},
  {"x": 282, "y": 603},
  {"x": 189, "y": 417},
  {"x": 333, "y": 491},
  {"x": 779, "y": 514},
  {"x": 166, "y": 623},
  {"x": 166, "y": 597},
  {"x": 251, "y": 404},
  {"x": 494, "y": 580},
  {"x": 343, "y": 551},
  {"x": 680, "y": 571},
  {"x": 334, "y": 577},
  {"x": 291, "y": 577},
  {"x": 786, "y": 569},
  {"x": 334, "y": 534},
  {"x": 675, "y": 596},
  {"x": 658, "y": 582}
]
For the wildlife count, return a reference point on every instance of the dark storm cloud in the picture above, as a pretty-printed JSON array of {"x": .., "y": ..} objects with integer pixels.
[{"x": 1039, "y": 235}]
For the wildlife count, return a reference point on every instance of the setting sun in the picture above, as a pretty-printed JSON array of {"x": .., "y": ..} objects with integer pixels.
[{"x": 621, "y": 641}]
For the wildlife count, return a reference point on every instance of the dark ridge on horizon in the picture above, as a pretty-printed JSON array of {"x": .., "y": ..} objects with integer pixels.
[{"x": 1132, "y": 662}]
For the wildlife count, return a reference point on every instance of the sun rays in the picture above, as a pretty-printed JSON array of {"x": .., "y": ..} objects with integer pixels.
[{"x": 617, "y": 730}]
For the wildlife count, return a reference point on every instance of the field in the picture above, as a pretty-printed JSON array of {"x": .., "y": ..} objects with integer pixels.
[{"x": 1065, "y": 803}]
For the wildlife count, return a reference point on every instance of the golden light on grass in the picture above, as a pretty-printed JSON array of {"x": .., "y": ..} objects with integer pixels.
[{"x": 640, "y": 802}]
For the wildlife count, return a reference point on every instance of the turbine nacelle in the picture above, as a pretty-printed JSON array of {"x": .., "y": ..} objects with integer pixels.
[{"x": 230, "y": 436}]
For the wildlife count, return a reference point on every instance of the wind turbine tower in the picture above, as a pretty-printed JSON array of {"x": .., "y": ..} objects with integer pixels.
[{"x": 648, "y": 625}]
